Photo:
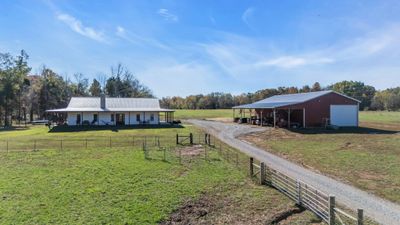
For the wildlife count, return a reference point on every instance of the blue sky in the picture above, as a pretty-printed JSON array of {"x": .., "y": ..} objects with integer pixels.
[{"x": 190, "y": 47}]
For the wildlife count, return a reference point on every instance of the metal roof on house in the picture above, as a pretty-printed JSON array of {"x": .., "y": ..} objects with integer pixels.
[
  {"x": 286, "y": 100},
  {"x": 92, "y": 104}
]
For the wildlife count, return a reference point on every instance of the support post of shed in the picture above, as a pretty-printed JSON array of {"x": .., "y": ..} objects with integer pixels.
[
  {"x": 274, "y": 118},
  {"x": 289, "y": 118},
  {"x": 304, "y": 117},
  {"x": 261, "y": 119}
]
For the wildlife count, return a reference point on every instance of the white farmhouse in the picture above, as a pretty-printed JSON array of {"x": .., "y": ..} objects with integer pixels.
[{"x": 115, "y": 111}]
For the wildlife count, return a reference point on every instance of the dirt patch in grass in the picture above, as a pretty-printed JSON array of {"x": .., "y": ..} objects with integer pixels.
[
  {"x": 194, "y": 150},
  {"x": 244, "y": 203}
]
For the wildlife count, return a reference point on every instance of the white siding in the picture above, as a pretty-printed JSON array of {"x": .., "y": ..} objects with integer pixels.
[
  {"x": 105, "y": 117},
  {"x": 71, "y": 120}
]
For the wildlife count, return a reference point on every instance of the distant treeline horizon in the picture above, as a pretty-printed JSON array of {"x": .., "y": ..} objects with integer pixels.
[
  {"x": 23, "y": 95},
  {"x": 371, "y": 99}
]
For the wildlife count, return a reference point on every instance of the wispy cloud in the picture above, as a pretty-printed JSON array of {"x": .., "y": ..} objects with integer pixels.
[
  {"x": 293, "y": 61},
  {"x": 247, "y": 14},
  {"x": 77, "y": 26},
  {"x": 133, "y": 38},
  {"x": 167, "y": 15}
]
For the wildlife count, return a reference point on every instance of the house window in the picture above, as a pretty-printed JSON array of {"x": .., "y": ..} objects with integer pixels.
[
  {"x": 152, "y": 117},
  {"x": 138, "y": 117},
  {"x": 112, "y": 117}
]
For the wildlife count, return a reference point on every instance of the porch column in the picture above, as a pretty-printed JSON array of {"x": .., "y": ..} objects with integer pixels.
[
  {"x": 289, "y": 118},
  {"x": 261, "y": 119},
  {"x": 274, "y": 117},
  {"x": 304, "y": 117}
]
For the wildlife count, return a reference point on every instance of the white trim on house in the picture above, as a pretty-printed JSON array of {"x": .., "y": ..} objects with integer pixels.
[{"x": 147, "y": 110}]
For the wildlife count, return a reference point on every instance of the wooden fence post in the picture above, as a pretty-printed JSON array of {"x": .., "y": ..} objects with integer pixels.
[
  {"x": 360, "y": 216},
  {"x": 251, "y": 169},
  {"x": 145, "y": 150},
  {"x": 61, "y": 144},
  {"x": 177, "y": 139},
  {"x": 165, "y": 156},
  {"x": 331, "y": 210},
  {"x": 298, "y": 186},
  {"x": 191, "y": 138},
  {"x": 205, "y": 138},
  {"x": 209, "y": 139},
  {"x": 262, "y": 173}
]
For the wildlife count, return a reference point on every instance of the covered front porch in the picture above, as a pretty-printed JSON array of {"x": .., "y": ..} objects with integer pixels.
[
  {"x": 113, "y": 118},
  {"x": 288, "y": 117}
]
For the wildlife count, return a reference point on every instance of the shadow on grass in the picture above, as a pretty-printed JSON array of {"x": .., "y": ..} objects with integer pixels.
[
  {"x": 345, "y": 130},
  {"x": 112, "y": 128},
  {"x": 16, "y": 128}
]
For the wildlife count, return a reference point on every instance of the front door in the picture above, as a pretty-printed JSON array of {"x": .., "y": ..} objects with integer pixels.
[{"x": 120, "y": 118}]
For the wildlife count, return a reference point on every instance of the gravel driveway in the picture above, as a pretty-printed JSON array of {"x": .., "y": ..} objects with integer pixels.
[{"x": 381, "y": 210}]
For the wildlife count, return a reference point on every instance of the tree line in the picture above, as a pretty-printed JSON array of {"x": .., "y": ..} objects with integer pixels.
[
  {"x": 23, "y": 95},
  {"x": 371, "y": 99}
]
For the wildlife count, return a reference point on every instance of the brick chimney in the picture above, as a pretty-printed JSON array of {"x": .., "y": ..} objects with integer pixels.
[{"x": 102, "y": 101}]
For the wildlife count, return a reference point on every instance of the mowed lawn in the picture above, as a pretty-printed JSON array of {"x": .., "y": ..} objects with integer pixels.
[
  {"x": 102, "y": 185},
  {"x": 202, "y": 113},
  {"x": 367, "y": 157}
]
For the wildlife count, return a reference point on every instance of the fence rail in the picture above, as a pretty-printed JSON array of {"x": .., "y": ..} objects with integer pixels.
[
  {"x": 76, "y": 143},
  {"x": 320, "y": 203}
]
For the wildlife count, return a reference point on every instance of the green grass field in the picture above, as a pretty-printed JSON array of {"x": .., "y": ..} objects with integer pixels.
[
  {"x": 380, "y": 116},
  {"x": 203, "y": 113},
  {"x": 366, "y": 157},
  {"x": 101, "y": 185},
  {"x": 116, "y": 185}
]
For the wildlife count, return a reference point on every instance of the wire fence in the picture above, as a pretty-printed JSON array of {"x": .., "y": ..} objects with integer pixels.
[{"x": 181, "y": 148}]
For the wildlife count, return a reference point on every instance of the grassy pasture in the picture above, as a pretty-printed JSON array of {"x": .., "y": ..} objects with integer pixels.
[
  {"x": 102, "y": 185},
  {"x": 203, "y": 113},
  {"x": 367, "y": 157},
  {"x": 99, "y": 186}
]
